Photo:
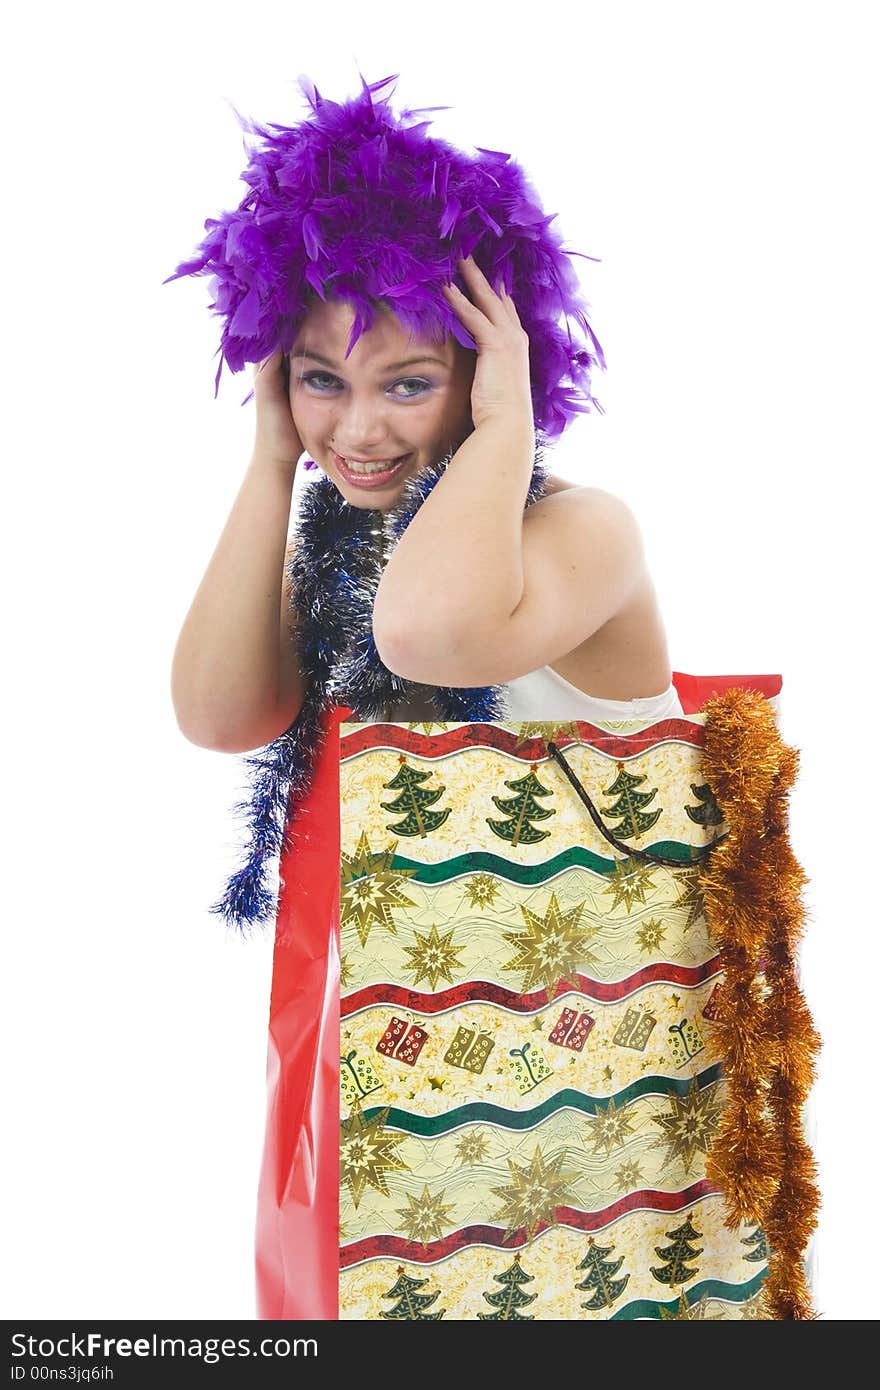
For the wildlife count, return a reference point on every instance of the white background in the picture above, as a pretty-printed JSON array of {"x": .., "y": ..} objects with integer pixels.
[{"x": 719, "y": 160}]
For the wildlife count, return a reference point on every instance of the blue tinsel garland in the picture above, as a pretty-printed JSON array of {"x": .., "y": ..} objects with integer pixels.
[{"x": 334, "y": 574}]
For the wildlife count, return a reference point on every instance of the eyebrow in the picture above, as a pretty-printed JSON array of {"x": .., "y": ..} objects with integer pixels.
[{"x": 391, "y": 366}]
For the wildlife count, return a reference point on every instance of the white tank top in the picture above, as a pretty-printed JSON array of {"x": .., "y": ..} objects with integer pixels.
[{"x": 544, "y": 694}]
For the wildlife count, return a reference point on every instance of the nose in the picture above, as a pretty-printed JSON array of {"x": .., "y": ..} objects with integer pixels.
[{"x": 360, "y": 429}]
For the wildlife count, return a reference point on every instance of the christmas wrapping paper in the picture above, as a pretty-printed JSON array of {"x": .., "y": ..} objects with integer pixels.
[{"x": 493, "y": 1083}]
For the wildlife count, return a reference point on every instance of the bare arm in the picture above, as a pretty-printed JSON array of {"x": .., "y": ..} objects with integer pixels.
[
  {"x": 582, "y": 558},
  {"x": 235, "y": 677},
  {"x": 458, "y": 567}
]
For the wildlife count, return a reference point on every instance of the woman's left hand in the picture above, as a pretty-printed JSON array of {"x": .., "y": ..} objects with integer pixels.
[{"x": 501, "y": 385}]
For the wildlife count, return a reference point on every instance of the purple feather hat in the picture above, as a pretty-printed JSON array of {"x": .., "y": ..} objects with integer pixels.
[{"x": 357, "y": 203}]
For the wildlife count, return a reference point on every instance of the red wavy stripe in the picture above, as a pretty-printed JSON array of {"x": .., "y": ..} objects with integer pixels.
[
  {"x": 488, "y": 735},
  {"x": 481, "y": 991},
  {"x": 647, "y": 1198}
]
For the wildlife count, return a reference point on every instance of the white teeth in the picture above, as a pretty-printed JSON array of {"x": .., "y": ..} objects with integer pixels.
[{"x": 381, "y": 466}]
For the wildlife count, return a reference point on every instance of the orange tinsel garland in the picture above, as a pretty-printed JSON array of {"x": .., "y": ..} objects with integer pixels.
[{"x": 752, "y": 884}]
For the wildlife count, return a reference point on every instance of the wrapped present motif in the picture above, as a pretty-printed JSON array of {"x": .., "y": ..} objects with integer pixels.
[
  {"x": 403, "y": 1041},
  {"x": 571, "y": 1029}
]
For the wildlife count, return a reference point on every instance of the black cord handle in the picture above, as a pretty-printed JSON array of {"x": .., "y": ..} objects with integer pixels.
[{"x": 696, "y": 852}]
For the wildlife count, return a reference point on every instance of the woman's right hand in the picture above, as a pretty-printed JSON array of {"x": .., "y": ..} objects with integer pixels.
[{"x": 276, "y": 434}]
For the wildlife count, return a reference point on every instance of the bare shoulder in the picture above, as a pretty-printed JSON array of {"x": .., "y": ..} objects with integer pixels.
[
  {"x": 614, "y": 511},
  {"x": 598, "y": 496},
  {"x": 553, "y": 483},
  {"x": 627, "y": 655},
  {"x": 579, "y": 512}
]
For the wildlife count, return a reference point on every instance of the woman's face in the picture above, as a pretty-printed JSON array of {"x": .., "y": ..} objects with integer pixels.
[{"x": 394, "y": 399}]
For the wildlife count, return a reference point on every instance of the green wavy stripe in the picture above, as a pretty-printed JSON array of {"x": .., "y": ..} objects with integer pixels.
[
  {"x": 709, "y": 1288},
  {"x": 484, "y": 861},
  {"x": 504, "y": 1118}
]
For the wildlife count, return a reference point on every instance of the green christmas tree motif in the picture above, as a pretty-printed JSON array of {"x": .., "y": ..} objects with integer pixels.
[
  {"x": 510, "y": 1296},
  {"x": 605, "y": 1289},
  {"x": 522, "y": 809},
  {"x": 676, "y": 1255},
  {"x": 629, "y": 803},
  {"x": 708, "y": 812},
  {"x": 413, "y": 801},
  {"x": 411, "y": 1304},
  {"x": 759, "y": 1241}
]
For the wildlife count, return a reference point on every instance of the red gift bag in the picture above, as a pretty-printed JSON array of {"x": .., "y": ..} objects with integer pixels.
[{"x": 297, "y": 1233}]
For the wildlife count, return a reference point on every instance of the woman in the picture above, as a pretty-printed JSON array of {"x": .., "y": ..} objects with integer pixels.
[
  {"x": 503, "y": 579},
  {"x": 564, "y": 587},
  {"x": 436, "y": 570}
]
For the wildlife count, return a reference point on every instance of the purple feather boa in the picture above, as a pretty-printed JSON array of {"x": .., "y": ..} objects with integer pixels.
[{"x": 359, "y": 204}]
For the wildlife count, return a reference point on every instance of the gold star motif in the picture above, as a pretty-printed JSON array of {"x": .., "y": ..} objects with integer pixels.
[
  {"x": 546, "y": 730},
  {"x": 366, "y": 1153},
  {"x": 426, "y": 1217},
  {"x": 689, "y": 1127},
  {"x": 472, "y": 1147},
  {"x": 481, "y": 889},
  {"x": 690, "y": 882},
  {"x": 629, "y": 882},
  {"x": 651, "y": 935},
  {"x": 691, "y": 1312},
  {"x": 553, "y": 949},
  {"x": 609, "y": 1127},
  {"x": 345, "y": 971},
  {"x": 433, "y": 957},
  {"x": 534, "y": 1194},
  {"x": 628, "y": 1176},
  {"x": 755, "y": 1307},
  {"x": 370, "y": 889}
]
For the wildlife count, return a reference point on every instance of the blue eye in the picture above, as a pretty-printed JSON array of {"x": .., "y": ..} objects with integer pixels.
[
  {"x": 313, "y": 377},
  {"x": 414, "y": 381}
]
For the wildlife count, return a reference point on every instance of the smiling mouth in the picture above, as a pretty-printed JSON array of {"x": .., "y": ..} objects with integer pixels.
[{"x": 368, "y": 475}]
